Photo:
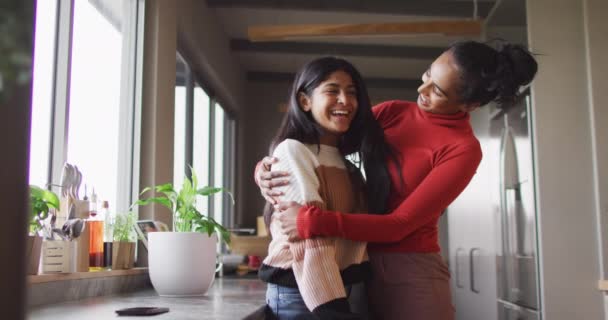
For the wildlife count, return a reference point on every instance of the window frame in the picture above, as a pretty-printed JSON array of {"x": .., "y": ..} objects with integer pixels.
[
  {"x": 192, "y": 79},
  {"x": 130, "y": 99}
]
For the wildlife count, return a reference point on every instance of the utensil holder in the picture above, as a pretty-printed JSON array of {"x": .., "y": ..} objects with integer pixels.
[
  {"x": 56, "y": 256},
  {"x": 81, "y": 211},
  {"x": 60, "y": 256},
  {"x": 123, "y": 255},
  {"x": 82, "y": 208}
]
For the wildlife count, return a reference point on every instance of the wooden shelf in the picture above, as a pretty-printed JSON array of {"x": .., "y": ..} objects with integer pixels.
[
  {"x": 602, "y": 285},
  {"x": 42, "y": 278}
]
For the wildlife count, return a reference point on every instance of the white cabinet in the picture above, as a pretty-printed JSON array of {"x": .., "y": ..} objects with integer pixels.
[{"x": 472, "y": 237}]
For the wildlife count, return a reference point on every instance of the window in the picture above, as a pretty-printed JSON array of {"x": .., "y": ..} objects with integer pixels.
[
  {"x": 200, "y": 142},
  {"x": 94, "y": 101},
  {"x": 42, "y": 98},
  {"x": 85, "y": 97},
  {"x": 218, "y": 161},
  {"x": 179, "y": 136},
  {"x": 191, "y": 140},
  {"x": 204, "y": 140},
  {"x": 224, "y": 145},
  {"x": 229, "y": 168}
]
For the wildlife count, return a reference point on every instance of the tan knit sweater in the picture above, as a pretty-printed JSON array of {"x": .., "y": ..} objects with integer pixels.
[{"x": 317, "y": 177}]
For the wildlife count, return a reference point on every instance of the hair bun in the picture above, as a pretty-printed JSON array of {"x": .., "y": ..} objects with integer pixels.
[
  {"x": 519, "y": 62},
  {"x": 492, "y": 72},
  {"x": 515, "y": 67}
]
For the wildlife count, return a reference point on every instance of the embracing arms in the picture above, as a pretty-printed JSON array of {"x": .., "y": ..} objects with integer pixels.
[{"x": 426, "y": 202}]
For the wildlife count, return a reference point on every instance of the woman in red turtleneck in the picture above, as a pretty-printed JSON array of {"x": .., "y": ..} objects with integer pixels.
[{"x": 438, "y": 155}]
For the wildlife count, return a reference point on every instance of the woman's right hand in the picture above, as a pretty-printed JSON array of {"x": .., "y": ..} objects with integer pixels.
[{"x": 267, "y": 179}]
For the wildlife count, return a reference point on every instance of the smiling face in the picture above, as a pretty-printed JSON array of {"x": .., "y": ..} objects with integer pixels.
[
  {"x": 333, "y": 104},
  {"x": 439, "y": 90}
]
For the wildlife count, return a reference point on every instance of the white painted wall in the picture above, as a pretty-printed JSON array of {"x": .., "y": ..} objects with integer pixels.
[
  {"x": 568, "y": 238},
  {"x": 596, "y": 27},
  {"x": 596, "y": 43}
]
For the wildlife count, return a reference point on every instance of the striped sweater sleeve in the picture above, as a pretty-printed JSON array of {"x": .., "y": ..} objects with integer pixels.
[{"x": 314, "y": 264}]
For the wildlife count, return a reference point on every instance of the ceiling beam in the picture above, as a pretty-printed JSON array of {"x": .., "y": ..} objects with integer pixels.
[
  {"x": 371, "y": 82},
  {"x": 431, "y": 8},
  {"x": 340, "y": 49},
  {"x": 287, "y": 32}
]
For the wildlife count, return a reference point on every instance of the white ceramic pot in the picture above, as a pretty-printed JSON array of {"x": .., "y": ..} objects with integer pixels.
[{"x": 181, "y": 264}]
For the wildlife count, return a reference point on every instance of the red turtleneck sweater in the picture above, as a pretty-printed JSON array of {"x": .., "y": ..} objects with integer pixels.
[{"x": 439, "y": 155}]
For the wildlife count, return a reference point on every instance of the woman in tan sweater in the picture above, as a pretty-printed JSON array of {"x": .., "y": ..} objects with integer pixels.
[{"x": 329, "y": 117}]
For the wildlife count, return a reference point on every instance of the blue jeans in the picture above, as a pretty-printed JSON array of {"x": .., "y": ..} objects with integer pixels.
[{"x": 287, "y": 303}]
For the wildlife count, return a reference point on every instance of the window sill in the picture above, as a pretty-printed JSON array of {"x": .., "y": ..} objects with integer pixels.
[
  {"x": 42, "y": 278},
  {"x": 47, "y": 289}
]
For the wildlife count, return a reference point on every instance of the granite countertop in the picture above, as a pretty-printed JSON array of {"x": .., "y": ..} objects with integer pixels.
[{"x": 228, "y": 298}]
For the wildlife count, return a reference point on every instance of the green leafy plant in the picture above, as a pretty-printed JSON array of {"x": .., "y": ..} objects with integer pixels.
[
  {"x": 124, "y": 227},
  {"x": 41, "y": 202},
  {"x": 182, "y": 203}
]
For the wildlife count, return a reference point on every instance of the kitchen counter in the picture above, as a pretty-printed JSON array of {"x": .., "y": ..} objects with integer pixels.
[
  {"x": 229, "y": 299},
  {"x": 50, "y": 289}
]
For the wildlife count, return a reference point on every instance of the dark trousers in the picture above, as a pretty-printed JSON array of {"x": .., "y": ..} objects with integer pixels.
[{"x": 410, "y": 286}]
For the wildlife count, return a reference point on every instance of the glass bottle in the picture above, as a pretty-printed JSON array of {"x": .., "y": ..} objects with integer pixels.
[
  {"x": 108, "y": 235},
  {"x": 95, "y": 223}
]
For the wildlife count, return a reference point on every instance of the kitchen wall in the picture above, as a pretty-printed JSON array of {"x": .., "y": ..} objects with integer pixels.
[
  {"x": 203, "y": 41},
  {"x": 158, "y": 99},
  {"x": 596, "y": 34},
  {"x": 190, "y": 27},
  {"x": 565, "y": 98}
]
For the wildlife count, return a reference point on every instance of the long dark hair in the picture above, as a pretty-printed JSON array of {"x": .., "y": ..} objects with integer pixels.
[
  {"x": 364, "y": 138},
  {"x": 492, "y": 74}
]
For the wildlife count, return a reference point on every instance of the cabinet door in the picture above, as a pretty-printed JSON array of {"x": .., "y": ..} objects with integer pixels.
[
  {"x": 459, "y": 269},
  {"x": 471, "y": 225}
]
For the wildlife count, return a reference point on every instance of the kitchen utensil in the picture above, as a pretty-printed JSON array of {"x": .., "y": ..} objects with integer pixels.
[
  {"x": 72, "y": 211},
  {"x": 47, "y": 228},
  {"x": 72, "y": 228},
  {"x": 77, "y": 182},
  {"x": 60, "y": 233},
  {"x": 71, "y": 181},
  {"x": 64, "y": 180}
]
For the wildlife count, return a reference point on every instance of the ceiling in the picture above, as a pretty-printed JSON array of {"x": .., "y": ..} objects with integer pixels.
[{"x": 388, "y": 61}]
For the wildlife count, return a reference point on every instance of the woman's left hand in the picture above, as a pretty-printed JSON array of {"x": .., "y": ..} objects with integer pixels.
[{"x": 287, "y": 215}]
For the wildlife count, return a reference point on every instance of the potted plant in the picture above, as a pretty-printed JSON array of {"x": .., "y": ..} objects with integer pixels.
[
  {"x": 41, "y": 202},
  {"x": 182, "y": 262},
  {"x": 123, "y": 246}
]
